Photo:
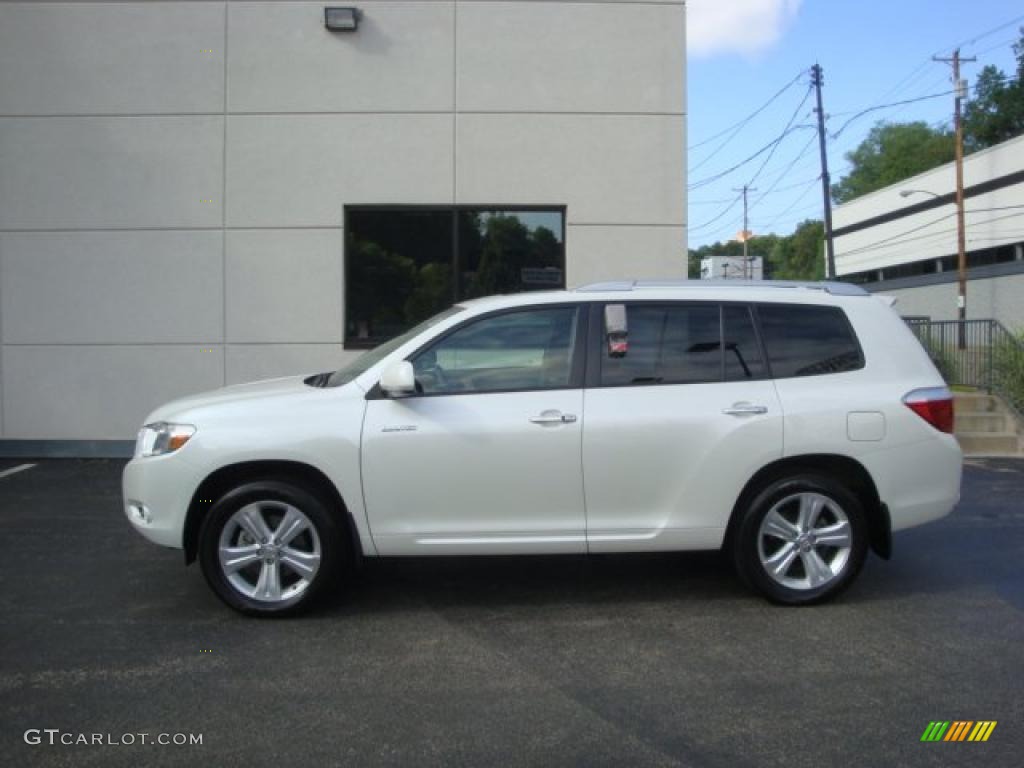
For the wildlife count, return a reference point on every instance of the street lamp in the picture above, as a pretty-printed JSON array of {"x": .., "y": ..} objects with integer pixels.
[
  {"x": 909, "y": 192},
  {"x": 961, "y": 260}
]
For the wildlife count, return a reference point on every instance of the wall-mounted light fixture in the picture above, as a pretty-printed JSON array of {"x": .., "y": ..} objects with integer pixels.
[{"x": 341, "y": 19}]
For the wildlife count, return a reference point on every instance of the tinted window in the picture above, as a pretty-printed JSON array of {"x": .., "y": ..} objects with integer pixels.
[
  {"x": 667, "y": 345},
  {"x": 742, "y": 353},
  {"x": 404, "y": 265},
  {"x": 808, "y": 340},
  {"x": 517, "y": 350}
]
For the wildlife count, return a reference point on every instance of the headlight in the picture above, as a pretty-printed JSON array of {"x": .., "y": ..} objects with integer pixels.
[{"x": 160, "y": 437}]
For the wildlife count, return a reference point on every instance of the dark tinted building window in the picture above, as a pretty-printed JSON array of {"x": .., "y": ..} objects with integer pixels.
[
  {"x": 742, "y": 353},
  {"x": 667, "y": 345},
  {"x": 808, "y": 340},
  {"x": 404, "y": 265}
]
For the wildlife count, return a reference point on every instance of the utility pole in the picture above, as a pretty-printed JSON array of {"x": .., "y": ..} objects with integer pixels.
[
  {"x": 959, "y": 93},
  {"x": 746, "y": 226},
  {"x": 817, "y": 81}
]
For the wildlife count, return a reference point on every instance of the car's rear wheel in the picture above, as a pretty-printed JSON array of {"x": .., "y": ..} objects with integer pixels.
[
  {"x": 269, "y": 548},
  {"x": 801, "y": 540}
]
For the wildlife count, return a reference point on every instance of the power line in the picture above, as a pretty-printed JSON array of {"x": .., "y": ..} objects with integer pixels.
[
  {"x": 983, "y": 35},
  {"x": 709, "y": 202},
  {"x": 991, "y": 48},
  {"x": 884, "y": 240},
  {"x": 799, "y": 156},
  {"x": 736, "y": 129},
  {"x": 801, "y": 183},
  {"x": 710, "y": 179},
  {"x": 723, "y": 212},
  {"x": 809, "y": 186},
  {"x": 863, "y": 112},
  {"x": 785, "y": 131},
  {"x": 895, "y": 239},
  {"x": 925, "y": 66},
  {"x": 751, "y": 116}
]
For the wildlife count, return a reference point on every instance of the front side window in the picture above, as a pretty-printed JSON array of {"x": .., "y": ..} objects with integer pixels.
[
  {"x": 522, "y": 350},
  {"x": 369, "y": 359},
  {"x": 404, "y": 265},
  {"x": 666, "y": 344},
  {"x": 807, "y": 340}
]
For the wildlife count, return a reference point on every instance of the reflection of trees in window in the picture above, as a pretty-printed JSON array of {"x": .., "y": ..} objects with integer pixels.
[
  {"x": 509, "y": 255},
  {"x": 398, "y": 271},
  {"x": 404, "y": 265}
]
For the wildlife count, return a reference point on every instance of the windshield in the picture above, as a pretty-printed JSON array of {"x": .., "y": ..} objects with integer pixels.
[{"x": 368, "y": 359}]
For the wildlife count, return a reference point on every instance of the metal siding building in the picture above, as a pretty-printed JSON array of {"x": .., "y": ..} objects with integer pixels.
[
  {"x": 175, "y": 177},
  {"x": 901, "y": 240}
]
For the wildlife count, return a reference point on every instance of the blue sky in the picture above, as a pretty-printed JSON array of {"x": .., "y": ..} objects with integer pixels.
[{"x": 741, "y": 52}]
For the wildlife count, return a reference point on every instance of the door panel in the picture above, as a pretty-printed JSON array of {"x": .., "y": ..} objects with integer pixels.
[
  {"x": 468, "y": 474},
  {"x": 472, "y": 466},
  {"x": 663, "y": 464},
  {"x": 678, "y": 418}
]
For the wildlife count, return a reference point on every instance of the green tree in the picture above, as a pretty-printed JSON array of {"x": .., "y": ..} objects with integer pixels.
[
  {"x": 891, "y": 153},
  {"x": 507, "y": 246},
  {"x": 799, "y": 256},
  {"x": 996, "y": 113},
  {"x": 761, "y": 245},
  {"x": 386, "y": 279},
  {"x": 432, "y": 292}
]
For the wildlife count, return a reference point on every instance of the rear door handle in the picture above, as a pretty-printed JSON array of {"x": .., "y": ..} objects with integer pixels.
[
  {"x": 744, "y": 409},
  {"x": 553, "y": 417}
]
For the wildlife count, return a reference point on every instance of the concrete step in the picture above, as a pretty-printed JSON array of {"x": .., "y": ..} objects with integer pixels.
[
  {"x": 983, "y": 421},
  {"x": 971, "y": 402},
  {"x": 989, "y": 443}
]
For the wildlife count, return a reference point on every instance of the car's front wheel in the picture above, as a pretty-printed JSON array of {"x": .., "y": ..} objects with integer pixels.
[
  {"x": 269, "y": 548},
  {"x": 802, "y": 540}
]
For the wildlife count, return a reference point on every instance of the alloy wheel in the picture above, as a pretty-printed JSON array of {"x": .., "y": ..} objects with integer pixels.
[
  {"x": 269, "y": 551},
  {"x": 804, "y": 541}
]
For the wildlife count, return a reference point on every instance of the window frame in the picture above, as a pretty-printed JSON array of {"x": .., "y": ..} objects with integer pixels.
[
  {"x": 579, "y": 351},
  {"x": 454, "y": 210},
  {"x": 755, "y": 307},
  {"x": 596, "y": 351}
]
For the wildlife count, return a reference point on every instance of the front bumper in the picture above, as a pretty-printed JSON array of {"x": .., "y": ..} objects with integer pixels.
[{"x": 157, "y": 493}]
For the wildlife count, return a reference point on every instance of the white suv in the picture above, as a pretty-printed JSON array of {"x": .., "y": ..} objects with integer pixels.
[{"x": 794, "y": 425}]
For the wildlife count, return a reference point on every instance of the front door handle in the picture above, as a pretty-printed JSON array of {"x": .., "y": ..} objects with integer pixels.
[
  {"x": 744, "y": 409},
  {"x": 553, "y": 417}
]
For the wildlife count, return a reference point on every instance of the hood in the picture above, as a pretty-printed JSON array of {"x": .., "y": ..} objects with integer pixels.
[{"x": 182, "y": 408}]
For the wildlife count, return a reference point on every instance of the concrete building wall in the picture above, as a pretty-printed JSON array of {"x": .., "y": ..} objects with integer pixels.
[
  {"x": 1001, "y": 298},
  {"x": 173, "y": 174}
]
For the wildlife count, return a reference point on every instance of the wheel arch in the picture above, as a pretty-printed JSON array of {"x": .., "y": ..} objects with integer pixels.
[
  {"x": 848, "y": 470},
  {"x": 220, "y": 481}
]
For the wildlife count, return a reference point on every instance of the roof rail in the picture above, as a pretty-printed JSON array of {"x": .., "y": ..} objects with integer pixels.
[{"x": 828, "y": 286}]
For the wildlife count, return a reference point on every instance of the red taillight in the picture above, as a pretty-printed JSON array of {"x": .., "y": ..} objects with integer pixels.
[{"x": 934, "y": 405}]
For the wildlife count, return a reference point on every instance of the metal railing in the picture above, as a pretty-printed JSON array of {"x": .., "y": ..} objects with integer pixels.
[{"x": 975, "y": 353}]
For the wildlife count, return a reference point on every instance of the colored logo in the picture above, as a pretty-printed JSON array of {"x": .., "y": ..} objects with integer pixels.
[{"x": 959, "y": 730}]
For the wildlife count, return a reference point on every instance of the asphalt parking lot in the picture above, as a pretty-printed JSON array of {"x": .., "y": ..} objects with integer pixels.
[{"x": 611, "y": 660}]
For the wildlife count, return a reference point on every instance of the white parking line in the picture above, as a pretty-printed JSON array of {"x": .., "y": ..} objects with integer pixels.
[{"x": 14, "y": 470}]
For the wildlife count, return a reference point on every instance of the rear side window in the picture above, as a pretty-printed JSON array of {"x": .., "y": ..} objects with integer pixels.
[
  {"x": 804, "y": 340},
  {"x": 742, "y": 353},
  {"x": 667, "y": 344}
]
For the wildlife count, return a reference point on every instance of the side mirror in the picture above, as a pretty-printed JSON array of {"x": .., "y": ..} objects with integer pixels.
[{"x": 398, "y": 380}]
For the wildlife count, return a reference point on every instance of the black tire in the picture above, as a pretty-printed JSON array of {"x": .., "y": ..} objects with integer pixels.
[
  {"x": 750, "y": 547},
  {"x": 273, "y": 498}
]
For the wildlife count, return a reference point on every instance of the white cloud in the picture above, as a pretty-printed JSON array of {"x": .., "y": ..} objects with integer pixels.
[{"x": 736, "y": 26}]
